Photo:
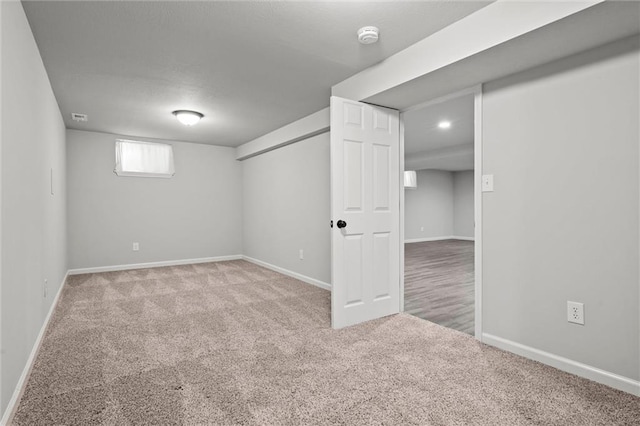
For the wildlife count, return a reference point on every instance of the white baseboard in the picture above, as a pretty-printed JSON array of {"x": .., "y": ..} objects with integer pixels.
[
  {"x": 448, "y": 237},
  {"x": 17, "y": 393},
  {"x": 152, "y": 264},
  {"x": 570, "y": 366},
  {"x": 287, "y": 272},
  {"x": 422, "y": 240}
]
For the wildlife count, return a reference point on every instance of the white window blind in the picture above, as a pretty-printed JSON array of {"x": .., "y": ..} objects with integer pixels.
[{"x": 144, "y": 159}]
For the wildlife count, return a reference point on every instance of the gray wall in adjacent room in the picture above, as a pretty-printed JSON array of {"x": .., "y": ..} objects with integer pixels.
[
  {"x": 562, "y": 143},
  {"x": 287, "y": 207},
  {"x": 463, "y": 208},
  {"x": 429, "y": 206},
  {"x": 33, "y": 221},
  {"x": 442, "y": 204},
  {"x": 195, "y": 214}
]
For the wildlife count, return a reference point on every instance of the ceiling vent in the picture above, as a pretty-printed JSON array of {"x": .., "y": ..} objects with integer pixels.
[
  {"x": 79, "y": 117},
  {"x": 368, "y": 35}
]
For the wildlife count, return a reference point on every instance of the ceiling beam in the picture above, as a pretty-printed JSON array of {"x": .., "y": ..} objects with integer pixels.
[
  {"x": 489, "y": 27},
  {"x": 306, "y": 127}
]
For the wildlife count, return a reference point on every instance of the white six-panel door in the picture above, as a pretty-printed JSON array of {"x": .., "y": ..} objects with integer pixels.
[{"x": 365, "y": 185}]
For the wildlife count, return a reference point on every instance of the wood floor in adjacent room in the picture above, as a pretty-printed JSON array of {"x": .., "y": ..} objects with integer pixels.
[{"x": 439, "y": 283}]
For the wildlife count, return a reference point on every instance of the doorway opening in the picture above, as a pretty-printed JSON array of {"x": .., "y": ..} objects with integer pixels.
[{"x": 440, "y": 212}]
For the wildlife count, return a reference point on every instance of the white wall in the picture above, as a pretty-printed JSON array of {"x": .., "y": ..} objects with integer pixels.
[
  {"x": 287, "y": 207},
  {"x": 440, "y": 207},
  {"x": 429, "y": 206},
  {"x": 195, "y": 214},
  {"x": 562, "y": 224},
  {"x": 463, "y": 208},
  {"x": 33, "y": 222}
]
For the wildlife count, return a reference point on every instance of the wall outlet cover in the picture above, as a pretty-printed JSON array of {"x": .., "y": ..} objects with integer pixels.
[{"x": 575, "y": 312}]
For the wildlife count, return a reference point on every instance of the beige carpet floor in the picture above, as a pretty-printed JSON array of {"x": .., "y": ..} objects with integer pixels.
[{"x": 233, "y": 343}]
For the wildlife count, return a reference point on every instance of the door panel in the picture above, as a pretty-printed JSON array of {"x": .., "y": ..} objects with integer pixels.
[
  {"x": 354, "y": 276},
  {"x": 380, "y": 177},
  {"x": 365, "y": 183},
  {"x": 353, "y": 175},
  {"x": 354, "y": 115},
  {"x": 381, "y": 270}
]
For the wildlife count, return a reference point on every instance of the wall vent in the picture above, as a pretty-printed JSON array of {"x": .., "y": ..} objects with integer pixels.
[{"x": 79, "y": 117}]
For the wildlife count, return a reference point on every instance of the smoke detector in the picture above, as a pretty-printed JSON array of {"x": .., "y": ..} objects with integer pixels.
[{"x": 368, "y": 35}]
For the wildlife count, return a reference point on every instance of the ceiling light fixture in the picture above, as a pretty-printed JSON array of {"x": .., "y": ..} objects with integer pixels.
[
  {"x": 188, "y": 118},
  {"x": 368, "y": 35},
  {"x": 444, "y": 124}
]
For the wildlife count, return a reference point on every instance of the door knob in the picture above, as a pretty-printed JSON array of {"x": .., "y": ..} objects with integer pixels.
[{"x": 341, "y": 224}]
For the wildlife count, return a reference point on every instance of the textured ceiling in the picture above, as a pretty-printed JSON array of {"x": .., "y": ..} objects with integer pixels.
[{"x": 249, "y": 67}]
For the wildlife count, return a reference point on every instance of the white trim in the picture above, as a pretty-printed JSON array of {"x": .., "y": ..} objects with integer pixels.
[
  {"x": 289, "y": 273},
  {"x": 477, "y": 209},
  {"x": 613, "y": 380},
  {"x": 152, "y": 264},
  {"x": 446, "y": 237},
  {"x": 423, "y": 240},
  {"x": 401, "y": 221},
  {"x": 19, "y": 389},
  {"x": 477, "y": 195},
  {"x": 1, "y": 232}
]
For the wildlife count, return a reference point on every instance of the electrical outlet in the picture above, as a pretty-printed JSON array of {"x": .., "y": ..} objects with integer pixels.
[
  {"x": 45, "y": 289},
  {"x": 575, "y": 312},
  {"x": 136, "y": 246},
  {"x": 301, "y": 254},
  {"x": 421, "y": 228}
]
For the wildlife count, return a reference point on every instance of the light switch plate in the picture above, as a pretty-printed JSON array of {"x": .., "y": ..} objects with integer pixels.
[{"x": 487, "y": 183}]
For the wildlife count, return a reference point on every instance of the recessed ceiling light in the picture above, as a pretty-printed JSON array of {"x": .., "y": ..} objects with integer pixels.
[
  {"x": 444, "y": 124},
  {"x": 188, "y": 118}
]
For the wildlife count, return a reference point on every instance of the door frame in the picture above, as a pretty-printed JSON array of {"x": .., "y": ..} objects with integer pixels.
[{"x": 476, "y": 91}]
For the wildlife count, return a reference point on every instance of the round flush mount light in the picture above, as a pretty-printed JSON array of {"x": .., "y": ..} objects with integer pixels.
[
  {"x": 368, "y": 35},
  {"x": 188, "y": 118},
  {"x": 444, "y": 124}
]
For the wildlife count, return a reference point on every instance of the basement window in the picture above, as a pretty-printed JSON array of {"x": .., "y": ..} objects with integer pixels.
[{"x": 144, "y": 159}]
